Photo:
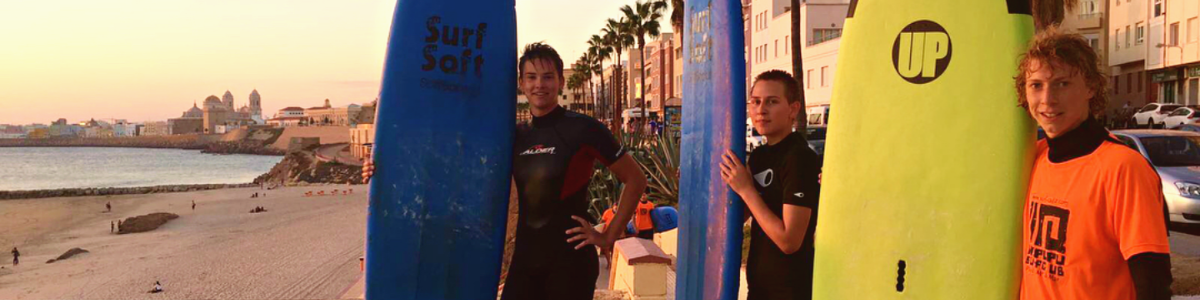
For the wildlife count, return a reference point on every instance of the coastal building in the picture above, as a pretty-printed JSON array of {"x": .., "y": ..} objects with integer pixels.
[
  {"x": 155, "y": 128},
  {"x": 770, "y": 43},
  {"x": 362, "y": 135},
  {"x": 1132, "y": 39},
  {"x": 60, "y": 129},
  {"x": 288, "y": 117},
  {"x": 328, "y": 115},
  {"x": 1173, "y": 51},
  {"x": 39, "y": 133},
  {"x": 221, "y": 112},
  {"x": 362, "y": 139},
  {"x": 215, "y": 112},
  {"x": 12, "y": 132},
  {"x": 192, "y": 121},
  {"x": 659, "y": 68},
  {"x": 122, "y": 128}
]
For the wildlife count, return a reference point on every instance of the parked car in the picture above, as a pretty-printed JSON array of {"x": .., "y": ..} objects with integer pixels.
[
  {"x": 753, "y": 138},
  {"x": 1175, "y": 155},
  {"x": 1182, "y": 115},
  {"x": 816, "y": 141},
  {"x": 1188, "y": 127},
  {"x": 1153, "y": 114}
]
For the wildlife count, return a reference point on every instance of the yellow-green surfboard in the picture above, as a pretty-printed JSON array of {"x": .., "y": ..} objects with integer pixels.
[{"x": 927, "y": 158}]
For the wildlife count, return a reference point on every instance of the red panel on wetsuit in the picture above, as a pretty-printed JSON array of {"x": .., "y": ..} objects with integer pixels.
[{"x": 579, "y": 171}]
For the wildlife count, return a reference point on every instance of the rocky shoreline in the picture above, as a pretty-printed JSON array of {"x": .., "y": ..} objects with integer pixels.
[
  {"x": 210, "y": 143},
  {"x": 301, "y": 168},
  {"x": 241, "y": 148},
  {"x": 183, "y": 141},
  {"x": 77, "y": 192}
]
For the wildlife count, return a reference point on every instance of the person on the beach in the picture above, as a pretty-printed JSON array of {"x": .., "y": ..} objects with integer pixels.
[
  {"x": 1094, "y": 225},
  {"x": 112, "y": 226},
  {"x": 555, "y": 254},
  {"x": 16, "y": 256},
  {"x": 108, "y": 207},
  {"x": 157, "y": 288},
  {"x": 606, "y": 218},
  {"x": 193, "y": 204},
  {"x": 642, "y": 220},
  {"x": 779, "y": 186}
]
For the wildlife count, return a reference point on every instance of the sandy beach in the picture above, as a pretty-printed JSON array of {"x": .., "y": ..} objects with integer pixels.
[{"x": 301, "y": 248}]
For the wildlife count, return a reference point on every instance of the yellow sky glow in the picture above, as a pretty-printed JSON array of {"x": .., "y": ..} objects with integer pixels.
[{"x": 146, "y": 60}]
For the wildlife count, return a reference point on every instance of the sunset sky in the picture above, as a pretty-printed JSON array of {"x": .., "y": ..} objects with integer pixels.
[{"x": 145, "y": 60}]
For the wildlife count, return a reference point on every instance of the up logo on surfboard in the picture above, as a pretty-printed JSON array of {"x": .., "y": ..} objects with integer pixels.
[{"x": 921, "y": 52}]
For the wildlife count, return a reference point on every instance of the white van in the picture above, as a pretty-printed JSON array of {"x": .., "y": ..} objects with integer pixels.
[{"x": 818, "y": 114}]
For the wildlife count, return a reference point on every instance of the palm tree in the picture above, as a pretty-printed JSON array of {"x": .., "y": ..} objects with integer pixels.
[
  {"x": 677, "y": 18},
  {"x": 574, "y": 83},
  {"x": 642, "y": 19},
  {"x": 583, "y": 68},
  {"x": 601, "y": 51},
  {"x": 597, "y": 68},
  {"x": 798, "y": 67},
  {"x": 617, "y": 36}
]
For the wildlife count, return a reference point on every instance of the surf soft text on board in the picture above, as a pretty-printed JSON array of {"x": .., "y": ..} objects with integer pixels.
[
  {"x": 701, "y": 27},
  {"x": 453, "y": 50}
]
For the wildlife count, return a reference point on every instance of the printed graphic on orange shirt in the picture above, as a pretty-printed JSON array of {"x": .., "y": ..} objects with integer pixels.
[{"x": 1047, "y": 251}]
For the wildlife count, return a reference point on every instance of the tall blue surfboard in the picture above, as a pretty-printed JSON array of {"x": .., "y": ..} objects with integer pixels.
[
  {"x": 443, "y": 149},
  {"x": 714, "y": 120}
]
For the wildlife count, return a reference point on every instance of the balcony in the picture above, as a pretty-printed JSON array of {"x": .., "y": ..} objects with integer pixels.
[{"x": 1090, "y": 20}]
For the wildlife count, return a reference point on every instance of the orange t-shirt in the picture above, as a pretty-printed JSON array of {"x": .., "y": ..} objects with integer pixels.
[
  {"x": 642, "y": 220},
  {"x": 1084, "y": 218},
  {"x": 607, "y": 218}
]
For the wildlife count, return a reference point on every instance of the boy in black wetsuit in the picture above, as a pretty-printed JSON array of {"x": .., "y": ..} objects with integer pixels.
[
  {"x": 780, "y": 188},
  {"x": 553, "y": 158}
]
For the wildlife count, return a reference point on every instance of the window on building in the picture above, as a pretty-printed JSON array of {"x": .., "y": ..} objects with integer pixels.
[
  {"x": 808, "y": 81},
  {"x": 1174, "y": 34},
  {"x": 1126, "y": 36},
  {"x": 787, "y": 44},
  {"x": 1087, "y": 9},
  {"x": 1116, "y": 85},
  {"x": 1095, "y": 43},
  {"x": 1117, "y": 39},
  {"x": 1192, "y": 30},
  {"x": 1129, "y": 83},
  {"x": 1158, "y": 8},
  {"x": 1140, "y": 34},
  {"x": 776, "y": 48},
  {"x": 824, "y": 83},
  {"x": 821, "y": 35}
]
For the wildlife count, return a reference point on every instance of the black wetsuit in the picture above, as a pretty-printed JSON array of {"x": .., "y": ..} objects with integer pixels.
[
  {"x": 553, "y": 160},
  {"x": 784, "y": 173}
]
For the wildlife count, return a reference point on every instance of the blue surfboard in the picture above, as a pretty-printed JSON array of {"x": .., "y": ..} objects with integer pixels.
[
  {"x": 714, "y": 120},
  {"x": 443, "y": 148}
]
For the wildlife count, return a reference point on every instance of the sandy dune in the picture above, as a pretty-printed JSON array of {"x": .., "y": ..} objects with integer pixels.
[{"x": 301, "y": 248}]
